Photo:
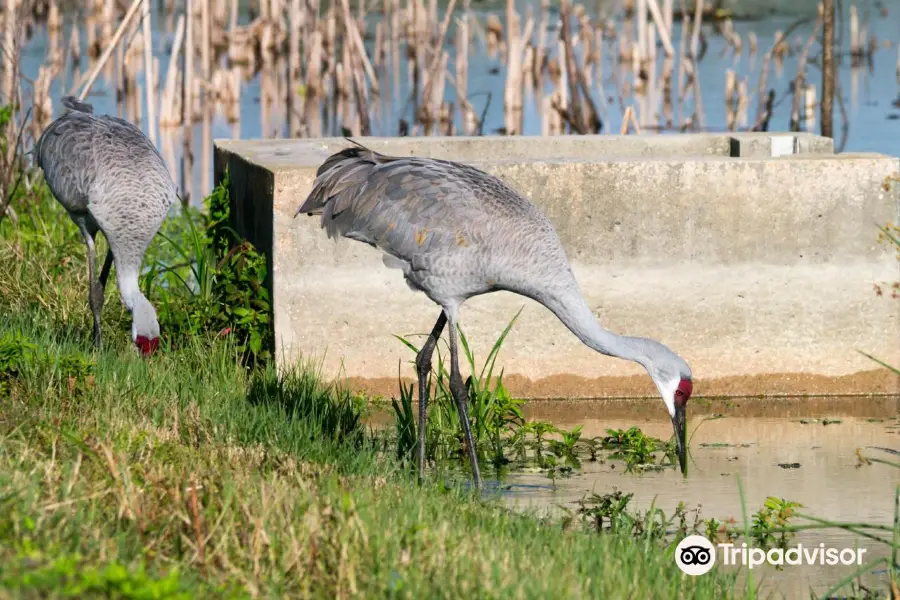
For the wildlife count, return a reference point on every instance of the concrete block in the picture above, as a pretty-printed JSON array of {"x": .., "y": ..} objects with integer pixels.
[{"x": 759, "y": 270}]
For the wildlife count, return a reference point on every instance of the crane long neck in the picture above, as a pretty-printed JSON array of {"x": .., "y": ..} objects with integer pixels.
[
  {"x": 571, "y": 308},
  {"x": 129, "y": 288}
]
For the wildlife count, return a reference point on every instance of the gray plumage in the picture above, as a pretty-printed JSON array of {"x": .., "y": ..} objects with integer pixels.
[
  {"x": 109, "y": 177},
  {"x": 457, "y": 232}
]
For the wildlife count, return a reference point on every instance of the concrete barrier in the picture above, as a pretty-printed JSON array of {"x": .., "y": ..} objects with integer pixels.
[{"x": 754, "y": 256}]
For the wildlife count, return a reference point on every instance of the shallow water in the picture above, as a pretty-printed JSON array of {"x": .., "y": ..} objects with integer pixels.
[
  {"x": 828, "y": 481},
  {"x": 868, "y": 95}
]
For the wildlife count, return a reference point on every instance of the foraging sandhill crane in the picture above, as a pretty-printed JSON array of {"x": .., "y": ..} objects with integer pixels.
[
  {"x": 109, "y": 177},
  {"x": 457, "y": 232}
]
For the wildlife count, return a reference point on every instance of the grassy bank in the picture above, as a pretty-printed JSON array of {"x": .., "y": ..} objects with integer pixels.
[
  {"x": 163, "y": 475},
  {"x": 191, "y": 475}
]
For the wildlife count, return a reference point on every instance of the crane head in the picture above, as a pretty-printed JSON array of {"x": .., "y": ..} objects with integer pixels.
[
  {"x": 147, "y": 346},
  {"x": 144, "y": 326},
  {"x": 676, "y": 390},
  {"x": 679, "y": 423}
]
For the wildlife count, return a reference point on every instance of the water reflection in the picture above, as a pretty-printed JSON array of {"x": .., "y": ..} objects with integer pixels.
[{"x": 828, "y": 481}]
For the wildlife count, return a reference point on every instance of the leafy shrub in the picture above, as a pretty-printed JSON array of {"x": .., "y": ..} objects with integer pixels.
[
  {"x": 334, "y": 414},
  {"x": 211, "y": 283},
  {"x": 67, "y": 577},
  {"x": 15, "y": 354}
]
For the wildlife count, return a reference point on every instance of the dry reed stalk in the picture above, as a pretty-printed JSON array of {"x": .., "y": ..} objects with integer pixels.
[
  {"x": 54, "y": 29},
  {"x": 641, "y": 46},
  {"x": 695, "y": 31},
  {"x": 120, "y": 83},
  {"x": 167, "y": 149},
  {"x": 563, "y": 86},
  {"x": 666, "y": 79},
  {"x": 380, "y": 54},
  {"x": 573, "y": 114},
  {"x": 75, "y": 48},
  {"x": 395, "y": 45},
  {"x": 552, "y": 121},
  {"x": 624, "y": 41},
  {"x": 651, "y": 99},
  {"x": 528, "y": 69},
  {"x": 494, "y": 35},
  {"x": 431, "y": 106},
  {"x": 437, "y": 90},
  {"x": 312, "y": 115},
  {"x": 462, "y": 72},
  {"x": 42, "y": 105},
  {"x": 743, "y": 103},
  {"x": 295, "y": 26},
  {"x": 168, "y": 116},
  {"x": 359, "y": 87},
  {"x": 187, "y": 105},
  {"x": 662, "y": 30},
  {"x": 344, "y": 83},
  {"x": 762, "y": 112},
  {"x": 90, "y": 27},
  {"x": 149, "y": 82},
  {"x": 800, "y": 78},
  {"x": 855, "y": 45},
  {"x": 597, "y": 59},
  {"x": 10, "y": 56},
  {"x": 108, "y": 18},
  {"x": 168, "y": 7},
  {"x": 352, "y": 31},
  {"x": 512, "y": 91},
  {"x": 233, "y": 16},
  {"x": 730, "y": 99},
  {"x": 682, "y": 58},
  {"x": 101, "y": 62},
  {"x": 828, "y": 70},
  {"x": 540, "y": 58},
  {"x": 629, "y": 118},
  {"x": 809, "y": 118},
  {"x": 698, "y": 102},
  {"x": 206, "y": 104}
]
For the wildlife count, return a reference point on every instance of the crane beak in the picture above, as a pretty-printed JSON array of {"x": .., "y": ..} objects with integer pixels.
[{"x": 679, "y": 423}]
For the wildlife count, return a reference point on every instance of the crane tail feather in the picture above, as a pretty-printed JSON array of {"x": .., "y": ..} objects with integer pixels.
[{"x": 71, "y": 103}]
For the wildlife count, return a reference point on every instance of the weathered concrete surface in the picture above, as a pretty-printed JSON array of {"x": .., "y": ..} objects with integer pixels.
[{"x": 758, "y": 270}]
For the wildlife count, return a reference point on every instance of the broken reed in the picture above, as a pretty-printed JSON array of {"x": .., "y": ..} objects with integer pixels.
[{"x": 401, "y": 67}]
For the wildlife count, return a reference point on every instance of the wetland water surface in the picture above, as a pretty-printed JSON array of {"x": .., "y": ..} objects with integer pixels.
[{"x": 828, "y": 481}]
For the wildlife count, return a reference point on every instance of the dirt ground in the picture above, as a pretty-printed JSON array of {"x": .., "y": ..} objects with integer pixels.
[{"x": 877, "y": 382}]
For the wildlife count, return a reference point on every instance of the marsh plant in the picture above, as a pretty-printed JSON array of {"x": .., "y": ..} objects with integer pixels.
[
  {"x": 503, "y": 436},
  {"x": 208, "y": 281},
  {"x": 494, "y": 414},
  {"x": 638, "y": 450}
]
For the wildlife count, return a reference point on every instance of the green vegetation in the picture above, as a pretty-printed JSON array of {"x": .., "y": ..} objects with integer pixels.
[
  {"x": 503, "y": 437},
  {"x": 202, "y": 472}
]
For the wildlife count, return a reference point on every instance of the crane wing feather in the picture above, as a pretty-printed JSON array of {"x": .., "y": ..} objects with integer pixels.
[{"x": 403, "y": 205}]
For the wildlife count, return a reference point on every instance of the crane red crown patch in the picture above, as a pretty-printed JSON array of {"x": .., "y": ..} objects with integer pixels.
[
  {"x": 146, "y": 346},
  {"x": 683, "y": 393}
]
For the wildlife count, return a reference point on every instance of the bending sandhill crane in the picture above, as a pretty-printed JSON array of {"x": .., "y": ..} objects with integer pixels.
[
  {"x": 109, "y": 177},
  {"x": 457, "y": 232}
]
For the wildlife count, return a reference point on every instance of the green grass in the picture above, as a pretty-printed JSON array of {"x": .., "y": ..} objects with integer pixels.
[
  {"x": 190, "y": 475},
  {"x": 184, "y": 473}
]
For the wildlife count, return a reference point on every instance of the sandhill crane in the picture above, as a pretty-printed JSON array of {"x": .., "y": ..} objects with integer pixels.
[
  {"x": 457, "y": 232},
  {"x": 109, "y": 177}
]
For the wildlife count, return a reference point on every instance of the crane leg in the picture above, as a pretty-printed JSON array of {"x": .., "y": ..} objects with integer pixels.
[
  {"x": 460, "y": 394},
  {"x": 423, "y": 371},
  {"x": 96, "y": 290},
  {"x": 107, "y": 265}
]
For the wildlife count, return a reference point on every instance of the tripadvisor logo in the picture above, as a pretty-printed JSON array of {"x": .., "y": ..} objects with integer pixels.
[{"x": 696, "y": 555}]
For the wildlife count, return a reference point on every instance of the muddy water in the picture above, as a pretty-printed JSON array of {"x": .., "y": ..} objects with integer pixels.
[{"x": 827, "y": 482}]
